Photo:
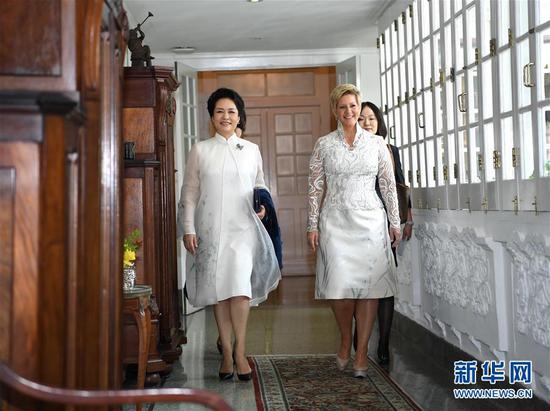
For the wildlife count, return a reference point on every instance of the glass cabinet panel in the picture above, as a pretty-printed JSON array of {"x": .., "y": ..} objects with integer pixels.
[
  {"x": 544, "y": 115},
  {"x": 416, "y": 30},
  {"x": 438, "y": 109},
  {"x": 387, "y": 47},
  {"x": 397, "y": 132},
  {"x": 474, "y": 151},
  {"x": 403, "y": 79},
  {"x": 459, "y": 42},
  {"x": 418, "y": 70},
  {"x": 414, "y": 164},
  {"x": 524, "y": 92},
  {"x": 405, "y": 164},
  {"x": 471, "y": 40},
  {"x": 412, "y": 115},
  {"x": 394, "y": 44},
  {"x": 448, "y": 48},
  {"x": 384, "y": 90},
  {"x": 505, "y": 80},
  {"x": 503, "y": 21},
  {"x": 450, "y": 105},
  {"x": 410, "y": 73},
  {"x": 389, "y": 84},
  {"x": 543, "y": 11},
  {"x": 408, "y": 32},
  {"x": 543, "y": 68},
  {"x": 405, "y": 128},
  {"x": 463, "y": 153},
  {"x": 452, "y": 157},
  {"x": 401, "y": 36},
  {"x": 420, "y": 119},
  {"x": 440, "y": 152},
  {"x": 446, "y": 6},
  {"x": 526, "y": 151},
  {"x": 428, "y": 114},
  {"x": 426, "y": 62},
  {"x": 430, "y": 157},
  {"x": 425, "y": 27},
  {"x": 422, "y": 160},
  {"x": 487, "y": 90},
  {"x": 458, "y": 5},
  {"x": 473, "y": 90},
  {"x": 461, "y": 100},
  {"x": 395, "y": 77},
  {"x": 435, "y": 15},
  {"x": 489, "y": 146},
  {"x": 437, "y": 57},
  {"x": 522, "y": 16},
  {"x": 507, "y": 138},
  {"x": 485, "y": 26}
]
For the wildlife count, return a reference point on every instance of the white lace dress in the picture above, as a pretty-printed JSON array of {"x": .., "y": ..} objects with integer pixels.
[{"x": 354, "y": 258}]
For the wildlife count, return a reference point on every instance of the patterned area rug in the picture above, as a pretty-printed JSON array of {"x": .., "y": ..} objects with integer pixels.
[{"x": 312, "y": 382}]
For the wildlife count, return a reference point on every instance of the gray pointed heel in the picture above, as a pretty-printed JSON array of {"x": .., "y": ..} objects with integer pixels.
[
  {"x": 360, "y": 373},
  {"x": 341, "y": 364}
]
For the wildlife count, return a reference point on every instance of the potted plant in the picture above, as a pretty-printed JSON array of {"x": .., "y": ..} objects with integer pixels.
[{"x": 131, "y": 244}]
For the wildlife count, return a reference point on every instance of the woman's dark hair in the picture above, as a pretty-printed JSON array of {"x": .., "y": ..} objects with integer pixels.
[
  {"x": 382, "y": 130},
  {"x": 234, "y": 97}
]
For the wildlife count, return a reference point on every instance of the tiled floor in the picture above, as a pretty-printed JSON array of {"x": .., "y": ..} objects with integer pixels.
[{"x": 291, "y": 323}]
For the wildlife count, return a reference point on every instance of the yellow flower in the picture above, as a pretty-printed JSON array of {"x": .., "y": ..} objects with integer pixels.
[{"x": 129, "y": 257}]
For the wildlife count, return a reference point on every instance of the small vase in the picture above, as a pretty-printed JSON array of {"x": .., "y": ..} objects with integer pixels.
[{"x": 129, "y": 277}]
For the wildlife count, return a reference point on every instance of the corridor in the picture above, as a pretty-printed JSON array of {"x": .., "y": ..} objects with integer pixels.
[{"x": 291, "y": 322}]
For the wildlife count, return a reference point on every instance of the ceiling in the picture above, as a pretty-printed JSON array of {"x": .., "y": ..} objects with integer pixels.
[{"x": 215, "y": 26}]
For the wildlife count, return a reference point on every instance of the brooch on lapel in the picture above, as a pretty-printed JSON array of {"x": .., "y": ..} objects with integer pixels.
[{"x": 239, "y": 146}]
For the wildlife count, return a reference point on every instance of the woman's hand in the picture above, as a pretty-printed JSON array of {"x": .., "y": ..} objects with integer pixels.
[
  {"x": 313, "y": 240},
  {"x": 407, "y": 232},
  {"x": 261, "y": 213},
  {"x": 190, "y": 243},
  {"x": 395, "y": 237}
]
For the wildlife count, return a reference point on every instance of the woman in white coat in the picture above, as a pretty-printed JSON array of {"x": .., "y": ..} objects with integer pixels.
[{"x": 231, "y": 262}]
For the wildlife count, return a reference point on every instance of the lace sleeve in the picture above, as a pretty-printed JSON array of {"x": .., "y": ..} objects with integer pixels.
[
  {"x": 386, "y": 180},
  {"x": 316, "y": 185},
  {"x": 190, "y": 192}
]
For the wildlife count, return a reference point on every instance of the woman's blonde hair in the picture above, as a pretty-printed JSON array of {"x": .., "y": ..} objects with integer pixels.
[{"x": 340, "y": 91}]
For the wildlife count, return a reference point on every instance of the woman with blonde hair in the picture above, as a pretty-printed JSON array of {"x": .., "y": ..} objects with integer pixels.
[{"x": 348, "y": 226}]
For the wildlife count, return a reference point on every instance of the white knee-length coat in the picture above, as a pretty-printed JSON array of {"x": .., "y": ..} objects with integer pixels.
[{"x": 235, "y": 255}]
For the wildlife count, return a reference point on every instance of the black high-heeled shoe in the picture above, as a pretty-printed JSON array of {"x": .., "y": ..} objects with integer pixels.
[
  {"x": 242, "y": 377},
  {"x": 383, "y": 356},
  {"x": 245, "y": 377},
  {"x": 225, "y": 376}
]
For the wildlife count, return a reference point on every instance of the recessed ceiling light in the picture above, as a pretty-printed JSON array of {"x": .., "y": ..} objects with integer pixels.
[
  {"x": 254, "y": 1},
  {"x": 183, "y": 49}
]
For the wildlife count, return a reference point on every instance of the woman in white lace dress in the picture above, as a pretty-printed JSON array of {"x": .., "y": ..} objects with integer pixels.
[{"x": 348, "y": 228}]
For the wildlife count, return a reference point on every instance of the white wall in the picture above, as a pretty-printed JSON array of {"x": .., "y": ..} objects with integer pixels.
[{"x": 480, "y": 281}]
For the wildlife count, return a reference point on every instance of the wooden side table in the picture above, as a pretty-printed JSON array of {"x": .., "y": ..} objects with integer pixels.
[{"x": 137, "y": 303}]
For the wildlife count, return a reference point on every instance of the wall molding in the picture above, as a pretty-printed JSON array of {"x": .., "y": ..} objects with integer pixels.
[
  {"x": 457, "y": 266},
  {"x": 530, "y": 254},
  {"x": 252, "y": 60}
]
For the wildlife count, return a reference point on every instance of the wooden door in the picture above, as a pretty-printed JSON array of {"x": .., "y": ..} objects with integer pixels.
[{"x": 291, "y": 134}]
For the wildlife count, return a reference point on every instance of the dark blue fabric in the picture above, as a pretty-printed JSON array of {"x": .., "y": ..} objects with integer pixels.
[{"x": 270, "y": 223}]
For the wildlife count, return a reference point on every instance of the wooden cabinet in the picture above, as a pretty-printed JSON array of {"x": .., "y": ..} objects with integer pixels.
[
  {"x": 60, "y": 193},
  {"x": 149, "y": 193}
]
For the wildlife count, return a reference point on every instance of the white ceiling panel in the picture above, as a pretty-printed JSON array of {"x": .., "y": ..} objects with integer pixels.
[{"x": 237, "y": 25}]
